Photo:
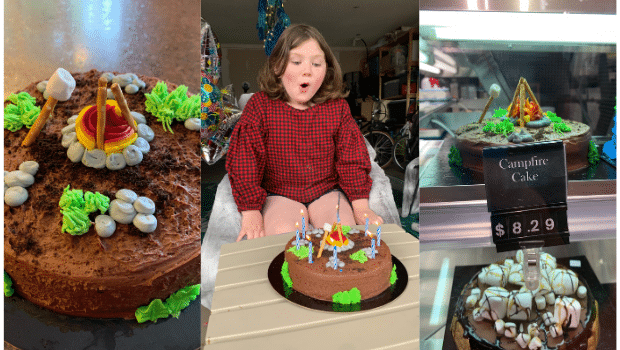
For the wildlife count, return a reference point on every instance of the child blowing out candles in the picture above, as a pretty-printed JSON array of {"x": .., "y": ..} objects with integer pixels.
[{"x": 296, "y": 145}]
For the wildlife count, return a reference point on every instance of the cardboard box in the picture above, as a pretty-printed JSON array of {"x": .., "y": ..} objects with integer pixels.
[{"x": 367, "y": 107}]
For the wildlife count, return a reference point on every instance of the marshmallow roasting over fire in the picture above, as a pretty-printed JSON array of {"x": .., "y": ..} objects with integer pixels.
[{"x": 60, "y": 87}]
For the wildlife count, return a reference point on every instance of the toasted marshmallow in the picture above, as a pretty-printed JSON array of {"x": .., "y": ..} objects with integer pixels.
[
  {"x": 567, "y": 312},
  {"x": 564, "y": 282}
]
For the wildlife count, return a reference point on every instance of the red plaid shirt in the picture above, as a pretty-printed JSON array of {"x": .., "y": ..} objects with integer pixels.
[{"x": 297, "y": 154}]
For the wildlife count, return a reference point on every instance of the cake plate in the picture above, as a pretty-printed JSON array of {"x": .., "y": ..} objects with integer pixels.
[
  {"x": 604, "y": 294},
  {"x": 390, "y": 294},
  {"x": 29, "y": 327}
]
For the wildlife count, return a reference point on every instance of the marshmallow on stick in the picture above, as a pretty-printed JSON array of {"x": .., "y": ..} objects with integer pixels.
[
  {"x": 493, "y": 92},
  {"x": 60, "y": 87},
  {"x": 102, "y": 94},
  {"x": 122, "y": 103}
]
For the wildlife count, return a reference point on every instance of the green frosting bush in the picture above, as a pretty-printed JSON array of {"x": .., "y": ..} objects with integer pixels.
[
  {"x": 22, "y": 112},
  {"x": 152, "y": 312},
  {"x": 359, "y": 256},
  {"x": 176, "y": 302},
  {"x": 499, "y": 113},
  {"x": 8, "y": 285},
  {"x": 393, "y": 276},
  {"x": 301, "y": 253},
  {"x": 352, "y": 296},
  {"x": 72, "y": 198},
  {"x": 346, "y": 229},
  {"x": 454, "y": 158},
  {"x": 503, "y": 127},
  {"x": 553, "y": 117},
  {"x": 75, "y": 207},
  {"x": 96, "y": 201},
  {"x": 75, "y": 221},
  {"x": 181, "y": 299},
  {"x": 561, "y": 128},
  {"x": 168, "y": 107},
  {"x": 593, "y": 156},
  {"x": 285, "y": 275}
]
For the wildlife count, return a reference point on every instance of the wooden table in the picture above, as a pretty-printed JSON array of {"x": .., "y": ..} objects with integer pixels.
[{"x": 247, "y": 313}]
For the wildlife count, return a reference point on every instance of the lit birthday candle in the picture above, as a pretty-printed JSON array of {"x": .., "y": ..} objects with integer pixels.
[
  {"x": 378, "y": 236},
  {"x": 335, "y": 257},
  {"x": 310, "y": 252},
  {"x": 303, "y": 223},
  {"x": 372, "y": 248},
  {"x": 366, "y": 228},
  {"x": 297, "y": 235}
]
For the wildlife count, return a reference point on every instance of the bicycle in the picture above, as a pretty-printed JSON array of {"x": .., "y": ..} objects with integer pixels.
[
  {"x": 378, "y": 136},
  {"x": 406, "y": 144}
]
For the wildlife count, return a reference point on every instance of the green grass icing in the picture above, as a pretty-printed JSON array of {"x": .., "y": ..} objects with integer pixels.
[
  {"x": 22, "y": 112},
  {"x": 8, "y": 285},
  {"x": 75, "y": 205},
  {"x": 300, "y": 253},
  {"x": 454, "y": 158},
  {"x": 500, "y": 113},
  {"x": 168, "y": 107},
  {"x": 359, "y": 256},
  {"x": 393, "y": 276},
  {"x": 285, "y": 275},
  {"x": 593, "y": 156},
  {"x": 352, "y": 296},
  {"x": 176, "y": 302}
]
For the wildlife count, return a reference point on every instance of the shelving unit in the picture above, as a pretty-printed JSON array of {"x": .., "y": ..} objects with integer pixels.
[{"x": 386, "y": 69}]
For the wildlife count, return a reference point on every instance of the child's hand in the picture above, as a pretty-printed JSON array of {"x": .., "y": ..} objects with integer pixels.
[
  {"x": 360, "y": 207},
  {"x": 251, "y": 224}
]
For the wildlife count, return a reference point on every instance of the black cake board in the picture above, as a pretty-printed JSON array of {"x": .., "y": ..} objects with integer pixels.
[{"x": 30, "y": 327}]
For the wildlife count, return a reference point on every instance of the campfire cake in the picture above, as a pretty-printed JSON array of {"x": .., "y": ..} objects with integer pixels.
[
  {"x": 496, "y": 311},
  {"x": 505, "y": 128},
  {"x": 320, "y": 280},
  {"x": 88, "y": 275}
]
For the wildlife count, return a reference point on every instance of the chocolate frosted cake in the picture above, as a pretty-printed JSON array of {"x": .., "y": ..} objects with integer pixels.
[
  {"x": 355, "y": 266},
  {"x": 472, "y": 139},
  {"x": 101, "y": 271},
  {"x": 496, "y": 311},
  {"x": 522, "y": 122}
]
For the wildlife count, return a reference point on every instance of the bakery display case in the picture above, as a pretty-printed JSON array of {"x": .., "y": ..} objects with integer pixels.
[{"x": 465, "y": 49}]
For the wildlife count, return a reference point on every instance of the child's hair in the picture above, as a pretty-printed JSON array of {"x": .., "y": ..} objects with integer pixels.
[{"x": 293, "y": 36}]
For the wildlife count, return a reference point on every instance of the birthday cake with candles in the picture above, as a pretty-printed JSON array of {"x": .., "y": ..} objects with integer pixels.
[
  {"x": 337, "y": 263},
  {"x": 496, "y": 311},
  {"x": 522, "y": 122},
  {"x": 102, "y": 192}
]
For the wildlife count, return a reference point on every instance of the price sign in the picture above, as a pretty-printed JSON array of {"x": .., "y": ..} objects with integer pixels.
[{"x": 526, "y": 194}]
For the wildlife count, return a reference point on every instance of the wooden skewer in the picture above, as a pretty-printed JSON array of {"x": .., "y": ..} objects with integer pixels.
[
  {"x": 340, "y": 233},
  {"x": 322, "y": 244},
  {"x": 38, "y": 125},
  {"x": 102, "y": 95},
  {"x": 486, "y": 108},
  {"x": 514, "y": 98},
  {"x": 530, "y": 92},
  {"x": 122, "y": 103},
  {"x": 521, "y": 105}
]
